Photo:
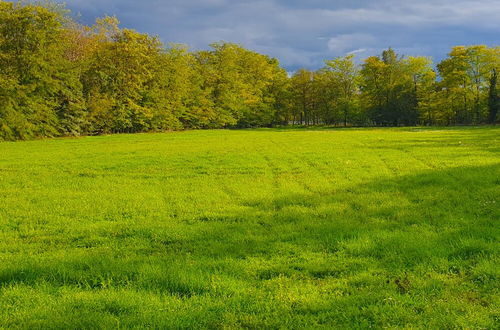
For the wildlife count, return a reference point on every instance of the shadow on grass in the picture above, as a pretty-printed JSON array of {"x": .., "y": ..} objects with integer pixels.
[
  {"x": 460, "y": 136},
  {"x": 487, "y": 128},
  {"x": 446, "y": 218}
]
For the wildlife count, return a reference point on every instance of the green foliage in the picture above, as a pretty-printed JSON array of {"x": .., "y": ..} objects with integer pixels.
[
  {"x": 266, "y": 228},
  {"x": 244, "y": 85},
  {"x": 302, "y": 86},
  {"x": 394, "y": 88},
  {"x": 59, "y": 78},
  {"x": 36, "y": 78},
  {"x": 493, "y": 97},
  {"x": 344, "y": 76},
  {"x": 122, "y": 79},
  {"x": 465, "y": 76}
]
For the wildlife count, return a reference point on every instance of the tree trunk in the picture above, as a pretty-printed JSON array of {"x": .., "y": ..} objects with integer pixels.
[{"x": 493, "y": 100}]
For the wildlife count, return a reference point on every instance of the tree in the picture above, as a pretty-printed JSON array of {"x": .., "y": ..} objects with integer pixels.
[
  {"x": 58, "y": 77},
  {"x": 325, "y": 96},
  {"x": 423, "y": 79},
  {"x": 38, "y": 83},
  {"x": 466, "y": 74},
  {"x": 121, "y": 80},
  {"x": 302, "y": 96},
  {"x": 345, "y": 73},
  {"x": 395, "y": 89},
  {"x": 493, "y": 99},
  {"x": 244, "y": 86}
]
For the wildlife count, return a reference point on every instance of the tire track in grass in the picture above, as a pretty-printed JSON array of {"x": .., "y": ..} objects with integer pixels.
[
  {"x": 422, "y": 161},
  {"x": 388, "y": 165},
  {"x": 260, "y": 187},
  {"x": 431, "y": 166},
  {"x": 311, "y": 167}
]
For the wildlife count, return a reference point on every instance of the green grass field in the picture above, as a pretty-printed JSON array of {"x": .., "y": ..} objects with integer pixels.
[{"x": 345, "y": 228}]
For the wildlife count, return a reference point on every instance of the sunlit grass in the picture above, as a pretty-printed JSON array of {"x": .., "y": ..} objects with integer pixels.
[{"x": 258, "y": 228}]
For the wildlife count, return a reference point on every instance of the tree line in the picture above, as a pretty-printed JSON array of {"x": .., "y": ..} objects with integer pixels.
[{"x": 61, "y": 78}]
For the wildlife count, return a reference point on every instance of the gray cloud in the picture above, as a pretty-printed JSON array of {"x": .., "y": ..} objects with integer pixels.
[
  {"x": 304, "y": 33},
  {"x": 350, "y": 43}
]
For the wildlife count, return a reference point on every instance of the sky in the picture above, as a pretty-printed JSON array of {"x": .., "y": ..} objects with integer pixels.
[{"x": 304, "y": 33}]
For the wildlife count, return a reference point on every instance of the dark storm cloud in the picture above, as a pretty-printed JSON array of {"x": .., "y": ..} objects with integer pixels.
[{"x": 304, "y": 33}]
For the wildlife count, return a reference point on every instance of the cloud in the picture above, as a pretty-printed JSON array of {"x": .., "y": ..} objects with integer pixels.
[
  {"x": 357, "y": 51},
  {"x": 348, "y": 43},
  {"x": 304, "y": 33}
]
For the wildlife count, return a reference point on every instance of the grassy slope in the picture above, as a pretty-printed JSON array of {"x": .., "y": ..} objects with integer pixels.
[{"x": 265, "y": 228}]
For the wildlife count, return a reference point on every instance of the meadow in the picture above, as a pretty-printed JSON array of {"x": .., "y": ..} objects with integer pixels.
[{"x": 267, "y": 228}]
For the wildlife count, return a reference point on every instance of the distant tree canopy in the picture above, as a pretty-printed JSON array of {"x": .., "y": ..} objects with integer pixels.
[{"x": 60, "y": 78}]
